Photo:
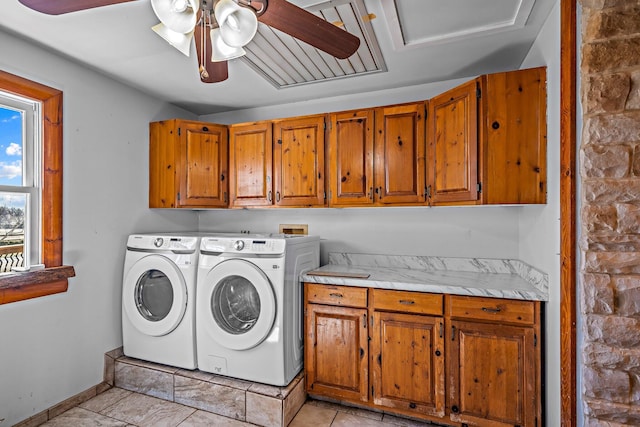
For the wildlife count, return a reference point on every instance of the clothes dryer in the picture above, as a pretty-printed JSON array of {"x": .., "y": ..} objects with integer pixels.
[
  {"x": 249, "y": 322},
  {"x": 158, "y": 310}
]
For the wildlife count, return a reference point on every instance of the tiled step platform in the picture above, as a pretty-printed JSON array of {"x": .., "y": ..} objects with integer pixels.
[{"x": 255, "y": 403}]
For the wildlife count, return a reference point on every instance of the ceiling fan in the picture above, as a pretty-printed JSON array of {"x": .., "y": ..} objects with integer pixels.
[{"x": 221, "y": 27}]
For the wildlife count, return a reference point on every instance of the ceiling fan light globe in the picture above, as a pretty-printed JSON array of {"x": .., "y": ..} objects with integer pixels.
[
  {"x": 170, "y": 14},
  {"x": 180, "y": 41},
  {"x": 220, "y": 51},
  {"x": 238, "y": 25}
]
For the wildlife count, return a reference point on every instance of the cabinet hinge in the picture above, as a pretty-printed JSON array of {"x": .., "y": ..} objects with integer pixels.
[
  {"x": 325, "y": 195},
  {"x": 478, "y": 92},
  {"x": 479, "y": 186},
  {"x": 427, "y": 191}
]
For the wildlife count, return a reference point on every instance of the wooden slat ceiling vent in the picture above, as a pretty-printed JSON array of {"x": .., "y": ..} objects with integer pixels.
[{"x": 285, "y": 61}]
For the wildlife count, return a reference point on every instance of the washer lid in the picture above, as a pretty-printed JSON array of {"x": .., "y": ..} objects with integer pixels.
[
  {"x": 239, "y": 304},
  {"x": 154, "y": 295}
]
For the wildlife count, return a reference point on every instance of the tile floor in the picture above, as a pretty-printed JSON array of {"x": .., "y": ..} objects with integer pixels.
[{"x": 118, "y": 407}]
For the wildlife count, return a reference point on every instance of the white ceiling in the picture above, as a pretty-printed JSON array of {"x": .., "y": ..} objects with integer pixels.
[{"x": 421, "y": 41}]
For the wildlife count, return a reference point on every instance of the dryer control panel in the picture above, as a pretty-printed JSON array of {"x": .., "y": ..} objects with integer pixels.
[{"x": 246, "y": 245}]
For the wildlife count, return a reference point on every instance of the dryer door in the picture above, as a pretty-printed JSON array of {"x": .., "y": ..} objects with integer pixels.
[
  {"x": 241, "y": 304},
  {"x": 154, "y": 295}
]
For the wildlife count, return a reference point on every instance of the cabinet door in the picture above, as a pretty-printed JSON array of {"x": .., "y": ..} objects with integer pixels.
[
  {"x": 336, "y": 356},
  {"x": 399, "y": 154},
  {"x": 351, "y": 158},
  {"x": 408, "y": 363},
  {"x": 251, "y": 164},
  {"x": 298, "y": 154},
  {"x": 453, "y": 145},
  {"x": 203, "y": 165},
  {"x": 515, "y": 137},
  {"x": 492, "y": 374}
]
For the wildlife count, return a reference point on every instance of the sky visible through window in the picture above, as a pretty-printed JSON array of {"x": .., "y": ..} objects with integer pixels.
[{"x": 10, "y": 147}]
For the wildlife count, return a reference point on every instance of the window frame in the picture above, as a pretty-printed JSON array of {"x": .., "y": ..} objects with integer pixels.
[{"x": 54, "y": 278}]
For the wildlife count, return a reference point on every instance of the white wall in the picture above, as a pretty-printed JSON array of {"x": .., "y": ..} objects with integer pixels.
[
  {"x": 53, "y": 347},
  {"x": 490, "y": 232},
  {"x": 540, "y": 225}
]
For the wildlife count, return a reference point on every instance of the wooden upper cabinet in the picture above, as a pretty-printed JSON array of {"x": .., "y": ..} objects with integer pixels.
[
  {"x": 251, "y": 164},
  {"x": 400, "y": 154},
  {"x": 351, "y": 158},
  {"x": 514, "y": 136},
  {"x": 298, "y": 155},
  {"x": 453, "y": 145},
  {"x": 487, "y": 140},
  {"x": 187, "y": 164}
]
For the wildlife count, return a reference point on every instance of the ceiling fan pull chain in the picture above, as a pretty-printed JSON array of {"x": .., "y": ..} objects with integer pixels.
[{"x": 203, "y": 46}]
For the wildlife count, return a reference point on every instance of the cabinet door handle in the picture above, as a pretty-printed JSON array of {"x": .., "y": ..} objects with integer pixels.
[
  {"x": 491, "y": 310},
  {"x": 277, "y": 196},
  {"x": 335, "y": 295},
  {"x": 371, "y": 193},
  {"x": 269, "y": 196},
  {"x": 406, "y": 302},
  {"x": 453, "y": 333},
  {"x": 440, "y": 329}
]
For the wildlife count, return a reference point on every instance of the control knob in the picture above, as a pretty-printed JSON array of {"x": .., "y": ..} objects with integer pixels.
[
  {"x": 238, "y": 245},
  {"x": 158, "y": 242}
]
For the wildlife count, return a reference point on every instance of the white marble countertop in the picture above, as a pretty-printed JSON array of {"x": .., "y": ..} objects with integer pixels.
[{"x": 459, "y": 276}]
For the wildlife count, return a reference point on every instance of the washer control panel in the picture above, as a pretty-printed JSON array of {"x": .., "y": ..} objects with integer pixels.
[{"x": 164, "y": 242}]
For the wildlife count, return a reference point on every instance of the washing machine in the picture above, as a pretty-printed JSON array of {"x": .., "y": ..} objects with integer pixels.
[
  {"x": 158, "y": 310},
  {"x": 249, "y": 322}
]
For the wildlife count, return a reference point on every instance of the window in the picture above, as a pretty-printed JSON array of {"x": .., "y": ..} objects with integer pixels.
[
  {"x": 47, "y": 171},
  {"x": 20, "y": 148}
]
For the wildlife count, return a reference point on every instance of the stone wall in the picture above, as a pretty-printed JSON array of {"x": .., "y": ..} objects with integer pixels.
[{"x": 610, "y": 215}]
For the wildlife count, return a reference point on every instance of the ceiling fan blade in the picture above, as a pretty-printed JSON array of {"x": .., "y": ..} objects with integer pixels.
[
  {"x": 210, "y": 72},
  {"x": 59, "y": 7},
  {"x": 309, "y": 28}
]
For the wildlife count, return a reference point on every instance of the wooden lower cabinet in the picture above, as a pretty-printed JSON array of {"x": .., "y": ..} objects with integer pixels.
[
  {"x": 408, "y": 363},
  {"x": 492, "y": 374},
  {"x": 336, "y": 357},
  {"x": 452, "y": 360}
]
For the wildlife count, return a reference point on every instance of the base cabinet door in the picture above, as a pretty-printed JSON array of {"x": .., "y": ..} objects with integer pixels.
[
  {"x": 492, "y": 374},
  {"x": 336, "y": 352},
  {"x": 407, "y": 363}
]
